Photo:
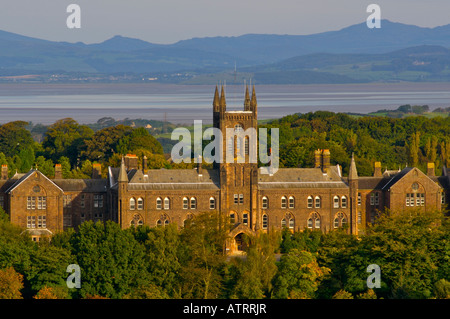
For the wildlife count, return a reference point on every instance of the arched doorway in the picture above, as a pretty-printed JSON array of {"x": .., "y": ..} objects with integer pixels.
[
  {"x": 242, "y": 241},
  {"x": 239, "y": 240}
]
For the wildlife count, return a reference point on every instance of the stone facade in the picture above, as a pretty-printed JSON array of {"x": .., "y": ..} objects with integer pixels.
[{"x": 319, "y": 198}]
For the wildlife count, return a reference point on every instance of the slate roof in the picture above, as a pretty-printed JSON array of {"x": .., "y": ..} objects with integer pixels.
[{"x": 82, "y": 185}]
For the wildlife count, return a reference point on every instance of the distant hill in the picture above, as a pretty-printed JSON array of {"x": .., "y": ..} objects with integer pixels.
[{"x": 352, "y": 54}]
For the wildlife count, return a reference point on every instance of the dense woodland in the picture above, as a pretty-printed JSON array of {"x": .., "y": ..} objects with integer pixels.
[{"x": 412, "y": 249}]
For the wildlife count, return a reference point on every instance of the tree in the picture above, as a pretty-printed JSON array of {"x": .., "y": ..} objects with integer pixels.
[
  {"x": 298, "y": 275},
  {"x": 14, "y": 137},
  {"x": 202, "y": 255},
  {"x": 112, "y": 262},
  {"x": 65, "y": 138},
  {"x": 11, "y": 283}
]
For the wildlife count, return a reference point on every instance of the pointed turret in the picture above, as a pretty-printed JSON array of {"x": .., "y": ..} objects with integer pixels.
[
  {"x": 216, "y": 101},
  {"x": 222, "y": 103},
  {"x": 253, "y": 102},
  {"x": 353, "y": 173},
  {"x": 247, "y": 99},
  {"x": 123, "y": 176}
]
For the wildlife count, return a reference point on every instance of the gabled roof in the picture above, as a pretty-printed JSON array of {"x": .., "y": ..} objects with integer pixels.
[{"x": 26, "y": 176}]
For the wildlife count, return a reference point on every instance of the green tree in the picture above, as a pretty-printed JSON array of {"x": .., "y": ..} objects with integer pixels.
[
  {"x": 65, "y": 138},
  {"x": 14, "y": 137},
  {"x": 112, "y": 262}
]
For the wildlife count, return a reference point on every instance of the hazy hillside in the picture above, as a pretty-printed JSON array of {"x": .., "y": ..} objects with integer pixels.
[{"x": 353, "y": 54}]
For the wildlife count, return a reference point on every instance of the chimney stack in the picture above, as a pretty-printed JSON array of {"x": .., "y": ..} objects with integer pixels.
[
  {"x": 325, "y": 161},
  {"x": 317, "y": 158},
  {"x": 96, "y": 171},
  {"x": 131, "y": 161},
  {"x": 144, "y": 164},
  {"x": 431, "y": 169},
  {"x": 4, "y": 172},
  {"x": 58, "y": 171},
  {"x": 377, "y": 170}
]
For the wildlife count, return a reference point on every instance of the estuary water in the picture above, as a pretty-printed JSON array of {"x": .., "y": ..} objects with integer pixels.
[{"x": 86, "y": 103}]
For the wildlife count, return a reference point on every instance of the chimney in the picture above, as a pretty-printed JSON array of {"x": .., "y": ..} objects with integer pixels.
[
  {"x": 377, "y": 170},
  {"x": 325, "y": 161},
  {"x": 58, "y": 171},
  {"x": 199, "y": 166},
  {"x": 431, "y": 169},
  {"x": 96, "y": 171},
  {"x": 317, "y": 158},
  {"x": 144, "y": 164},
  {"x": 4, "y": 172},
  {"x": 131, "y": 161}
]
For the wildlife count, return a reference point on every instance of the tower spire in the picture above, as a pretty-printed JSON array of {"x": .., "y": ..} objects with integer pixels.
[
  {"x": 216, "y": 101},
  {"x": 222, "y": 103},
  {"x": 253, "y": 102},
  {"x": 353, "y": 173},
  {"x": 247, "y": 99},
  {"x": 123, "y": 176}
]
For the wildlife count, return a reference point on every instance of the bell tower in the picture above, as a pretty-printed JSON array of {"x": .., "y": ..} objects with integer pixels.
[{"x": 239, "y": 157}]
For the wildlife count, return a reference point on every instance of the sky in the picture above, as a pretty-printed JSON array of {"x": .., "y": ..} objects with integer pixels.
[{"x": 168, "y": 21}]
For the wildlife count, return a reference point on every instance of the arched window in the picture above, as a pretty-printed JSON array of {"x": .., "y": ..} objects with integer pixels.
[
  {"x": 193, "y": 203},
  {"x": 339, "y": 220},
  {"x": 132, "y": 204},
  {"x": 291, "y": 223},
  {"x": 212, "y": 203},
  {"x": 140, "y": 204},
  {"x": 283, "y": 202},
  {"x": 188, "y": 219},
  {"x": 265, "y": 221},
  {"x": 344, "y": 202},
  {"x": 159, "y": 222},
  {"x": 245, "y": 219},
  {"x": 232, "y": 219},
  {"x": 310, "y": 202},
  {"x": 137, "y": 220},
  {"x": 185, "y": 203},
  {"x": 283, "y": 223},
  {"x": 291, "y": 202},
  {"x": 317, "y": 202},
  {"x": 166, "y": 222},
  {"x": 166, "y": 203},
  {"x": 265, "y": 202},
  {"x": 313, "y": 221},
  {"x": 336, "y": 201},
  {"x": 159, "y": 203}
]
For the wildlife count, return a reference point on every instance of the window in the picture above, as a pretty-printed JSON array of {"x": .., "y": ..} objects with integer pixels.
[
  {"x": 185, "y": 203},
  {"x": 98, "y": 201},
  {"x": 159, "y": 222},
  {"x": 372, "y": 199},
  {"x": 375, "y": 199},
  {"x": 166, "y": 222},
  {"x": 236, "y": 199},
  {"x": 31, "y": 202},
  {"x": 442, "y": 198},
  {"x": 193, "y": 203},
  {"x": 317, "y": 202},
  {"x": 339, "y": 220},
  {"x": 291, "y": 202},
  {"x": 137, "y": 220},
  {"x": 283, "y": 223},
  {"x": 31, "y": 221},
  {"x": 241, "y": 198},
  {"x": 265, "y": 221},
  {"x": 167, "y": 203},
  {"x": 283, "y": 202},
  {"x": 422, "y": 199},
  {"x": 310, "y": 202},
  {"x": 42, "y": 202},
  {"x": 42, "y": 223},
  {"x": 140, "y": 204},
  {"x": 336, "y": 201},
  {"x": 343, "y": 202},
  {"x": 159, "y": 203},
  {"x": 313, "y": 221},
  {"x": 245, "y": 219},
  {"x": 82, "y": 203},
  {"x": 359, "y": 199},
  {"x": 359, "y": 217},
  {"x": 67, "y": 201},
  {"x": 2, "y": 201},
  {"x": 132, "y": 204},
  {"x": 212, "y": 203},
  {"x": 291, "y": 223},
  {"x": 246, "y": 145},
  {"x": 265, "y": 203},
  {"x": 408, "y": 199},
  {"x": 232, "y": 218}
]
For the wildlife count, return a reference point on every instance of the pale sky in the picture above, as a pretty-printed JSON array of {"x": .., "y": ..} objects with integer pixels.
[{"x": 168, "y": 21}]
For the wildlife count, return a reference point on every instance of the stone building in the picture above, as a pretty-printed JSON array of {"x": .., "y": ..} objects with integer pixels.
[{"x": 318, "y": 198}]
